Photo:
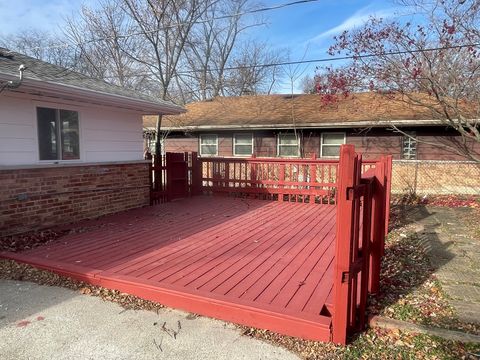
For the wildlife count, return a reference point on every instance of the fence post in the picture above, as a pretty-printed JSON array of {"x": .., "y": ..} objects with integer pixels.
[
  {"x": 343, "y": 244},
  {"x": 388, "y": 189},
  {"x": 378, "y": 226}
]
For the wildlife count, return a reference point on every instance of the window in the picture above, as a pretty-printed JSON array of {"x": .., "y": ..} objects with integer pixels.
[
  {"x": 208, "y": 145},
  {"x": 58, "y": 134},
  {"x": 409, "y": 150},
  {"x": 330, "y": 144},
  {"x": 243, "y": 144},
  {"x": 288, "y": 145}
]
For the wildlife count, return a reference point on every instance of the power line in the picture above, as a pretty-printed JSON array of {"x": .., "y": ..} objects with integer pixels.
[
  {"x": 310, "y": 61},
  {"x": 125, "y": 36}
]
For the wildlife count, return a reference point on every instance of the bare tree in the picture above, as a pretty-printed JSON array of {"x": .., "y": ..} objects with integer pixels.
[
  {"x": 250, "y": 75},
  {"x": 213, "y": 46},
  {"x": 109, "y": 58},
  {"x": 41, "y": 45},
  {"x": 433, "y": 66},
  {"x": 308, "y": 84},
  {"x": 165, "y": 26}
]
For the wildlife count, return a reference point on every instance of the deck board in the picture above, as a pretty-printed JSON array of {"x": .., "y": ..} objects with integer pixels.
[{"x": 260, "y": 263}]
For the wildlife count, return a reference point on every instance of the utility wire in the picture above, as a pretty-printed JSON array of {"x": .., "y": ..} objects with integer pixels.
[
  {"x": 320, "y": 60},
  {"x": 125, "y": 36}
]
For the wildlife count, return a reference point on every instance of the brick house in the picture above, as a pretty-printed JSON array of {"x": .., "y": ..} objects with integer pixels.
[
  {"x": 299, "y": 126},
  {"x": 71, "y": 146}
]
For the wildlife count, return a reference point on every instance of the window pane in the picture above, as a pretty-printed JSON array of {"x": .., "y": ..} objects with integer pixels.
[
  {"x": 334, "y": 139},
  {"x": 208, "y": 150},
  {"x": 288, "y": 151},
  {"x": 243, "y": 150},
  {"x": 409, "y": 146},
  {"x": 243, "y": 139},
  {"x": 208, "y": 139},
  {"x": 288, "y": 139},
  {"x": 70, "y": 138},
  {"x": 331, "y": 150},
  {"x": 47, "y": 134}
]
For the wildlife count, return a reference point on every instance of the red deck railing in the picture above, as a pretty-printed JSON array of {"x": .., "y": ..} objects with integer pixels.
[
  {"x": 297, "y": 180},
  {"x": 360, "y": 190}
]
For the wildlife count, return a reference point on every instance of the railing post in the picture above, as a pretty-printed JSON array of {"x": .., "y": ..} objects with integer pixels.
[
  {"x": 388, "y": 189},
  {"x": 343, "y": 244},
  {"x": 196, "y": 175},
  {"x": 167, "y": 176},
  {"x": 378, "y": 227},
  {"x": 281, "y": 181},
  {"x": 313, "y": 180}
]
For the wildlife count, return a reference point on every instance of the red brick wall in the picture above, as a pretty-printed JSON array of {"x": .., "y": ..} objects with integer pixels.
[{"x": 37, "y": 198}]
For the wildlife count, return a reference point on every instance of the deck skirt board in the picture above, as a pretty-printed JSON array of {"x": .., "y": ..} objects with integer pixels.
[{"x": 259, "y": 263}]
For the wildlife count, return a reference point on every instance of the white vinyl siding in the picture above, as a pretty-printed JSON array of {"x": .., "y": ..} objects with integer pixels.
[
  {"x": 208, "y": 145},
  {"x": 105, "y": 134},
  {"x": 288, "y": 145},
  {"x": 330, "y": 144},
  {"x": 243, "y": 144}
]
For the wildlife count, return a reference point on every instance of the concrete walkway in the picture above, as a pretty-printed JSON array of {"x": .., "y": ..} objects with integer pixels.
[
  {"x": 42, "y": 322},
  {"x": 454, "y": 254}
]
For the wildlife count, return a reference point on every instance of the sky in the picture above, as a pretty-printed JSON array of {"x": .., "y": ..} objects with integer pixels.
[{"x": 306, "y": 29}]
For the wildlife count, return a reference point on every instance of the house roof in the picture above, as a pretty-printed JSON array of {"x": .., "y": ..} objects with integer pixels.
[
  {"x": 301, "y": 111},
  {"x": 42, "y": 78}
]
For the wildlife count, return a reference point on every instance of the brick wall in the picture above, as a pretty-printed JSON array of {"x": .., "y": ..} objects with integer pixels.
[{"x": 34, "y": 198}]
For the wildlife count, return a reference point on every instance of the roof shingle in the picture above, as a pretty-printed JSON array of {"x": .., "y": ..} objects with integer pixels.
[
  {"x": 289, "y": 110},
  {"x": 43, "y": 71}
]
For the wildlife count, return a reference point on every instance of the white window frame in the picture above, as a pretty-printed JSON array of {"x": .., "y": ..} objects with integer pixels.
[
  {"x": 299, "y": 139},
  {"x": 58, "y": 106},
  {"x": 200, "y": 144},
  {"x": 409, "y": 145},
  {"x": 331, "y": 133},
  {"x": 234, "y": 143}
]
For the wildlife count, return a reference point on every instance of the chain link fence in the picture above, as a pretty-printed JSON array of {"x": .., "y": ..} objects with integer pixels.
[{"x": 434, "y": 177}]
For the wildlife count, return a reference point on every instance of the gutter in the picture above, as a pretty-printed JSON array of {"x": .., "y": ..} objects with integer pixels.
[
  {"x": 100, "y": 97},
  {"x": 337, "y": 125}
]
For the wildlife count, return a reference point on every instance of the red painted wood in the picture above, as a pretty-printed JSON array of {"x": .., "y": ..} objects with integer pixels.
[
  {"x": 285, "y": 179},
  {"x": 276, "y": 265},
  {"x": 245, "y": 263},
  {"x": 343, "y": 253},
  {"x": 198, "y": 257},
  {"x": 239, "y": 284},
  {"x": 282, "y": 272},
  {"x": 246, "y": 247}
]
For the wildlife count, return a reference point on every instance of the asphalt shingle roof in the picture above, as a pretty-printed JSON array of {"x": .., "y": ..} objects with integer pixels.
[
  {"x": 289, "y": 110},
  {"x": 43, "y": 71}
]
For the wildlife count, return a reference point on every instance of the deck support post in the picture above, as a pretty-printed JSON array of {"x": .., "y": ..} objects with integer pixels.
[{"x": 343, "y": 246}]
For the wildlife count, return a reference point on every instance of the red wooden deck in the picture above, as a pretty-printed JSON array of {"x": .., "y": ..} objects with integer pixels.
[{"x": 259, "y": 263}]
